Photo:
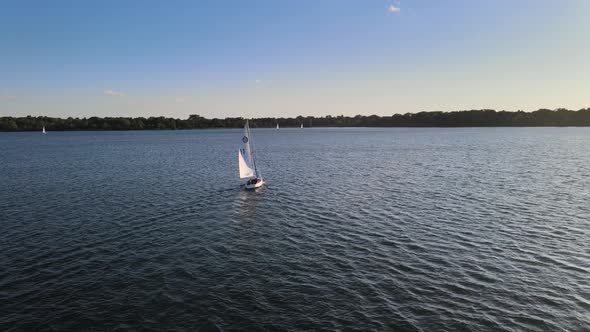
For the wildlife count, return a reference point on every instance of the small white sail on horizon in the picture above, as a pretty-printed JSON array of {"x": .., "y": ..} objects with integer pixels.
[
  {"x": 277, "y": 126},
  {"x": 44, "y": 132},
  {"x": 302, "y": 126}
]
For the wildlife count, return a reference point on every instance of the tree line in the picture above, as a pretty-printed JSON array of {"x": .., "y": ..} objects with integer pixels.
[{"x": 471, "y": 118}]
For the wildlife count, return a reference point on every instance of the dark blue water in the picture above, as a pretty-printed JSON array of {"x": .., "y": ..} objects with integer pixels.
[{"x": 358, "y": 229}]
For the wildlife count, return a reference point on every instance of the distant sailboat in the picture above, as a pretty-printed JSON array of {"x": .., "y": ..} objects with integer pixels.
[
  {"x": 302, "y": 126},
  {"x": 44, "y": 132},
  {"x": 247, "y": 161},
  {"x": 277, "y": 126}
]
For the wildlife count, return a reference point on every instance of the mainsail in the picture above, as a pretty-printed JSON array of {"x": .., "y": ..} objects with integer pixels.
[{"x": 246, "y": 160}]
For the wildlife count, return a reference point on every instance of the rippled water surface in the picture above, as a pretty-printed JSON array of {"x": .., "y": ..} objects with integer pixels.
[{"x": 360, "y": 229}]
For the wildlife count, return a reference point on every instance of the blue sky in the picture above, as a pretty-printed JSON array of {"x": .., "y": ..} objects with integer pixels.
[{"x": 287, "y": 58}]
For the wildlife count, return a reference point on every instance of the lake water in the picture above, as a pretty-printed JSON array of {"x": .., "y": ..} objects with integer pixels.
[{"x": 357, "y": 229}]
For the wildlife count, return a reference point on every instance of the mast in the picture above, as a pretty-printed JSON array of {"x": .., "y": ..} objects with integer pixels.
[{"x": 251, "y": 148}]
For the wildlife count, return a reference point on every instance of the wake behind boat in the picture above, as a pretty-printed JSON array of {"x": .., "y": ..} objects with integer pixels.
[{"x": 247, "y": 161}]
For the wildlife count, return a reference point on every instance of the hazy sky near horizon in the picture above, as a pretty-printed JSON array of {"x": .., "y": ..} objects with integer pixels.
[{"x": 287, "y": 58}]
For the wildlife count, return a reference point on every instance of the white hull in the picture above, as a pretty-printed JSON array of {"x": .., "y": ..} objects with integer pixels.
[{"x": 254, "y": 186}]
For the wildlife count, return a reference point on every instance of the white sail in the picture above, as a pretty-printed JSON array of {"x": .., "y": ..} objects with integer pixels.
[
  {"x": 302, "y": 126},
  {"x": 43, "y": 129},
  {"x": 247, "y": 155},
  {"x": 277, "y": 126},
  {"x": 246, "y": 170},
  {"x": 247, "y": 161}
]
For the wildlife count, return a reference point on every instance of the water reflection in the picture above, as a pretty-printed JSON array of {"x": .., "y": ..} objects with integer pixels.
[{"x": 245, "y": 203}]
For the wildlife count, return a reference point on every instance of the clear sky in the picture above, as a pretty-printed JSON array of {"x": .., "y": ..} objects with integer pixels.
[{"x": 255, "y": 58}]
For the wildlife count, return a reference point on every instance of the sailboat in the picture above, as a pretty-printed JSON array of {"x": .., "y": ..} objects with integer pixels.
[
  {"x": 302, "y": 126},
  {"x": 277, "y": 126},
  {"x": 247, "y": 161},
  {"x": 44, "y": 130}
]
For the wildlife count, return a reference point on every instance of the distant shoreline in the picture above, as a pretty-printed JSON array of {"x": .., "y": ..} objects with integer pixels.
[
  {"x": 458, "y": 119},
  {"x": 290, "y": 128}
]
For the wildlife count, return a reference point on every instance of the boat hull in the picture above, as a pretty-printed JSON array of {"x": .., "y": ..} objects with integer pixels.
[{"x": 254, "y": 186}]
